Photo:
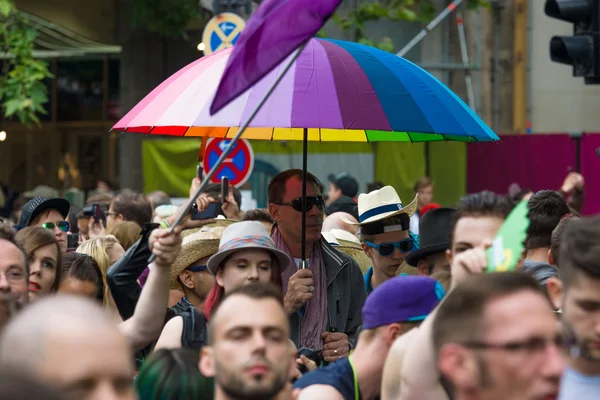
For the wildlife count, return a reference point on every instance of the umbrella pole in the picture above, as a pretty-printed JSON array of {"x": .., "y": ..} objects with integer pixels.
[
  {"x": 303, "y": 263},
  {"x": 231, "y": 145}
]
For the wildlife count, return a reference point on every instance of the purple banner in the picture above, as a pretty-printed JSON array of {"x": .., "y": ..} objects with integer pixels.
[{"x": 535, "y": 162}]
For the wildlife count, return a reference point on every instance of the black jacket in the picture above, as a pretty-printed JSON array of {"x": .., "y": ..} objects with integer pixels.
[
  {"x": 122, "y": 276},
  {"x": 346, "y": 296}
]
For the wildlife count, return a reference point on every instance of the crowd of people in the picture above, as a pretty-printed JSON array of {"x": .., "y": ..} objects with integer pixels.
[{"x": 387, "y": 299}]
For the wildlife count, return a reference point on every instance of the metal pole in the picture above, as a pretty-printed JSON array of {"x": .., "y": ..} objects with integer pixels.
[
  {"x": 465, "y": 59},
  {"x": 303, "y": 263},
  {"x": 479, "y": 59},
  {"x": 497, "y": 7},
  {"x": 451, "y": 7},
  {"x": 231, "y": 145}
]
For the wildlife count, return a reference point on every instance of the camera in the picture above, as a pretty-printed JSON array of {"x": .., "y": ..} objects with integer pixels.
[
  {"x": 97, "y": 211},
  {"x": 311, "y": 354}
]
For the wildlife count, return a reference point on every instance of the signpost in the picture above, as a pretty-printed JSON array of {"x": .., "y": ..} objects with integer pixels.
[
  {"x": 222, "y": 32},
  {"x": 237, "y": 167}
]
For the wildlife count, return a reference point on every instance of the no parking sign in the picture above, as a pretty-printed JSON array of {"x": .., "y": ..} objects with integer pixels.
[{"x": 237, "y": 166}]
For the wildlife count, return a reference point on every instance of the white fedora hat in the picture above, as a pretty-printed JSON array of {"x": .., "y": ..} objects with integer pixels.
[
  {"x": 246, "y": 235},
  {"x": 381, "y": 204}
]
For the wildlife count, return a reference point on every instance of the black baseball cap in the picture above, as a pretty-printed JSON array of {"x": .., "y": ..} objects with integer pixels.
[
  {"x": 38, "y": 205},
  {"x": 347, "y": 184}
]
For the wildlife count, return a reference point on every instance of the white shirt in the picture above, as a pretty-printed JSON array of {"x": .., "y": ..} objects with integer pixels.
[{"x": 414, "y": 223}]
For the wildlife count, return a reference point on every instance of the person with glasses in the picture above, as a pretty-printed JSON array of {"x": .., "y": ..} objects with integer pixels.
[
  {"x": 50, "y": 214},
  {"x": 323, "y": 296},
  {"x": 186, "y": 326},
  {"x": 494, "y": 337},
  {"x": 385, "y": 236},
  {"x": 14, "y": 271}
]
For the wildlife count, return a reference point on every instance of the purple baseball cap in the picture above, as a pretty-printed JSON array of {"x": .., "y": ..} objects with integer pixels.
[{"x": 402, "y": 299}]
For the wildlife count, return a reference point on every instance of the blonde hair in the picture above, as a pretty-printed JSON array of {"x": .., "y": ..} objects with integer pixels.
[
  {"x": 126, "y": 232},
  {"x": 99, "y": 249}
]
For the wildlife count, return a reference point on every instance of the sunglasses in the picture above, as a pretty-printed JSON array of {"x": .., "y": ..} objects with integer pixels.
[
  {"x": 197, "y": 268},
  {"x": 387, "y": 249},
  {"x": 63, "y": 226},
  {"x": 311, "y": 201}
]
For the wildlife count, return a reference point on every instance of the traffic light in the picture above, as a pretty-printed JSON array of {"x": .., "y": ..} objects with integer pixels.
[{"x": 582, "y": 50}]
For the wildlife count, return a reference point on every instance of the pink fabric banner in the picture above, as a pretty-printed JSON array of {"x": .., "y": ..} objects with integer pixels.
[
  {"x": 536, "y": 162},
  {"x": 590, "y": 169}
]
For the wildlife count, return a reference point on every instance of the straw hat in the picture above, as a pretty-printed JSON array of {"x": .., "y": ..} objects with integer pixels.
[
  {"x": 195, "y": 247},
  {"x": 381, "y": 204},
  {"x": 357, "y": 253},
  {"x": 216, "y": 227},
  {"x": 246, "y": 235}
]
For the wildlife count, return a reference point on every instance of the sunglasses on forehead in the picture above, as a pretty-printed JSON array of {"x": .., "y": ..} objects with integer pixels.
[
  {"x": 311, "y": 201},
  {"x": 63, "y": 226}
]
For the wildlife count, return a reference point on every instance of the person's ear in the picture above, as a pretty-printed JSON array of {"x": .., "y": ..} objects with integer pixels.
[
  {"x": 459, "y": 366},
  {"x": 393, "y": 332},
  {"x": 274, "y": 211},
  {"x": 366, "y": 249},
  {"x": 207, "y": 362},
  {"x": 423, "y": 267},
  {"x": 187, "y": 279},
  {"x": 449, "y": 256},
  {"x": 554, "y": 288},
  {"x": 219, "y": 277},
  {"x": 551, "y": 259},
  {"x": 121, "y": 217}
]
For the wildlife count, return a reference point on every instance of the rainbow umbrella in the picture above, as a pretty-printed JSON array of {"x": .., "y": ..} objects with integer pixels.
[
  {"x": 335, "y": 90},
  {"x": 328, "y": 90}
]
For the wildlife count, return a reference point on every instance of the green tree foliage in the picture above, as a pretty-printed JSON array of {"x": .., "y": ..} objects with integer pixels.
[
  {"x": 354, "y": 21},
  {"x": 22, "y": 90},
  {"x": 168, "y": 18}
]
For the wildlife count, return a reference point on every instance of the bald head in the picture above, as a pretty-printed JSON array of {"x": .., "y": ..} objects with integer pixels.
[
  {"x": 334, "y": 221},
  {"x": 23, "y": 340},
  {"x": 72, "y": 344}
]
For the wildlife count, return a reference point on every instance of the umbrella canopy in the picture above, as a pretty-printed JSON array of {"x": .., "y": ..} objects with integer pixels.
[
  {"x": 275, "y": 30},
  {"x": 339, "y": 91}
]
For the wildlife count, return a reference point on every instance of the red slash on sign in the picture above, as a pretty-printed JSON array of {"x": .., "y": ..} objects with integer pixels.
[{"x": 237, "y": 166}]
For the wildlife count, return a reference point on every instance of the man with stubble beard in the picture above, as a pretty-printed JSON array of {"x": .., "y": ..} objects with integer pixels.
[
  {"x": 579, "y": 261},
  {"x": 248, "y": 353}
]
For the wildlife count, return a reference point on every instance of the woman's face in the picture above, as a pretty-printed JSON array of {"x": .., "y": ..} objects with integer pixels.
[
  {"x": 244, "y": 267},
  {"x": 42, "y": 271}
]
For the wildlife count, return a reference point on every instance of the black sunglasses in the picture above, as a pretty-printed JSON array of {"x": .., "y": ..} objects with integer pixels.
[{"x": 311, "y": 201}]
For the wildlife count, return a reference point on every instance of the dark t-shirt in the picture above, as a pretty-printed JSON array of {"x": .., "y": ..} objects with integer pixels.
[{"x": 338, "y": 374}]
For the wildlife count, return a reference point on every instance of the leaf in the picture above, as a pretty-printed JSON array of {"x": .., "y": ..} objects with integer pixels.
[
  {"x": 6, "y": 7},
  {"x": 12, "y": 106}
]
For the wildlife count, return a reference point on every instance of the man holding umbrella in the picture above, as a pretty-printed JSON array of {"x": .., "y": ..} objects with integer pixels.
[{"x": 325, "y": 299}]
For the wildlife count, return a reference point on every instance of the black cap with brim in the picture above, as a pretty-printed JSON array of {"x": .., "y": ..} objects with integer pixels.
[
  {"x": 35, "y": 207},
  {"x": 413, "y": 258}
]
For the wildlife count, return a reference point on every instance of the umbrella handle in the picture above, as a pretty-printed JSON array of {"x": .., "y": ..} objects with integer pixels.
[{"x": 231, "y": 145}]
